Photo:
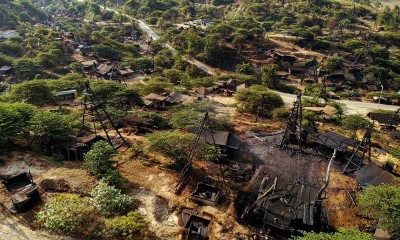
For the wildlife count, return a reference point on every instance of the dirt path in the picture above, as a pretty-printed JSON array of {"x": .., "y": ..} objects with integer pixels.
[{"x": 292, "y": 47}]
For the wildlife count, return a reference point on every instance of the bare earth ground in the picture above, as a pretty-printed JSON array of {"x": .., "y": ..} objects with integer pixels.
[
  {"x": 151, "y": 184},
  {"x": 272, "y": 161},
  {"x": 17, "y": 227}
]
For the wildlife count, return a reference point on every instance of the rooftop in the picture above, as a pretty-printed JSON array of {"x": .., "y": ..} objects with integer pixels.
[
  {"x": 221, "y": 138},
  {"x": 335, "y": 140}
]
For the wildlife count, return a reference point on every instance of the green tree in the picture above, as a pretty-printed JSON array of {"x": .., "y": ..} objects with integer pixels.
[
  {"x": 5, "y": 59},
  {"x": 258, "y": 99},
  {"x": 244, "y": 68},
  {"x": 269, "y": 76},
  {"x": 98, "y": 159},
  {"x": 355, "y": 122},
  {"x": 52, "y": 58},
  {"x": 333, "y": 63},
  {"x": 50, "y": 129},
  {"x": 35, "y": 92},
  {"x": 14, "y": 120},
  {"x": 109, "y": 200},
  {"x": 383, "y": 203},
  {"x": 176, "y": 145},
  {"x": 342, "y": 234},
  {"x": 26, "y": 68}
]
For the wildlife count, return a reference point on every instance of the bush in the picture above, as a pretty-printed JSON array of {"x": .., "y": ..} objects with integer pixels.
[
  {"x": 333, "y": 63},
  {"x": 281, "y": 112},
  {"x": 112, "y": 177},
  {"x": 64, "y": 213},
  {"x": 355, "y": 122},
  {"x": 258, "y": 99},
  {"x": 131, "y": 226},
  {"x": 98, "y": 159},
  {"x": 176, "y": 145},
  {"x": 109, "y": 200},
  {"x": 383, "y": 203},
  {"x": 342, "y": 234},
  {"x": 50, "y": 129}
]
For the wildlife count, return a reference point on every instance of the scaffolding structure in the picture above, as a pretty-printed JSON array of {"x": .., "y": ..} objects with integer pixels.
[
  {"x": 360, "y": 152},
  {"x": 94, "y": 111},
  {"x": 294, "y": 127},
  {"x": 205, "y": 127}
]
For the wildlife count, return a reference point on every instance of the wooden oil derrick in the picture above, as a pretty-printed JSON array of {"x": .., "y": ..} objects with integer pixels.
[
  {"x": 294, "y": 125},
  {"x": 360, "y": 152},
  {"x": 95, "y": 111},
  {"x": 204, "y": 127}
]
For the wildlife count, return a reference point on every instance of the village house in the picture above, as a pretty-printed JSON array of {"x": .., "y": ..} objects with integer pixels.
[{"x": 154, "y": 100}]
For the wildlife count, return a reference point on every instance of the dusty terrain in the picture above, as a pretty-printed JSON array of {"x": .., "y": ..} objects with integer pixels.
[{"x": 151, "y": 184}]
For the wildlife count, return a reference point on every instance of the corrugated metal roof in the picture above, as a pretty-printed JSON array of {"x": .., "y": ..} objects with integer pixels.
[
  {"x": 289, "y": 203},
  {"x": 104, "y": 68},
  {"x": 65, "y": 92},
  {"x": 221, "y": 138},
  {"x": 5, "y": 68},
  {"x": 383, "y": 118},
  {"x": 372, "y": 174},
  {"x": 335, "y": 140},
  {"x": 178, "y": 98},
  {"x": 153, "y": 96}
]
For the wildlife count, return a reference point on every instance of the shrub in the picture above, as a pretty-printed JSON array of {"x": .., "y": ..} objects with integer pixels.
[
  {"x": 176, "y": 145},
  {"x": 50, "y": 128},
  {"x": 64, "y": 213},
  {"x": 98, "y": 159},
  {"x": 383, "y": 203},
  {"x": 258, "y": 99},
  {"x": 342, "y": 234},
  {"x": 281, "y": 112},
  {"x": 112, "y": 177},
  {"x": 333, "y": 63},
  {"x": 355, "y": 122},
  {"x": 109, "y": 200},
  {"x": 131, "y": 226}
]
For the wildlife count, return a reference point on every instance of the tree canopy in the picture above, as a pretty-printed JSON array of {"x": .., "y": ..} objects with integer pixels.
[
  {"x": 383, "y": 203},
  {"x": 258, "y": 99}
]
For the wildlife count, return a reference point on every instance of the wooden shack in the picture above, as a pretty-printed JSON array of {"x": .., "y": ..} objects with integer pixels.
[
  {"x": 228, "y": 142},
  {"x": 23, "y": 192},
  {"x": 373, "y": 175},
  {"x": 287, "y": 206},
  {"x": 206, "y": 194},
  {"x": 155, "y": 100},
  {"x": 66, "y": 95},
  {"x": 198, "y": 228},
  {"x": 333, "y": 140},
  {"x": 383, "y": 119},
  {"x": 76, "y": 149}
]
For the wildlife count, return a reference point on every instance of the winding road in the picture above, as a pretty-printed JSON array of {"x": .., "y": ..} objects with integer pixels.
[{"x": 351, "y": 107}]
